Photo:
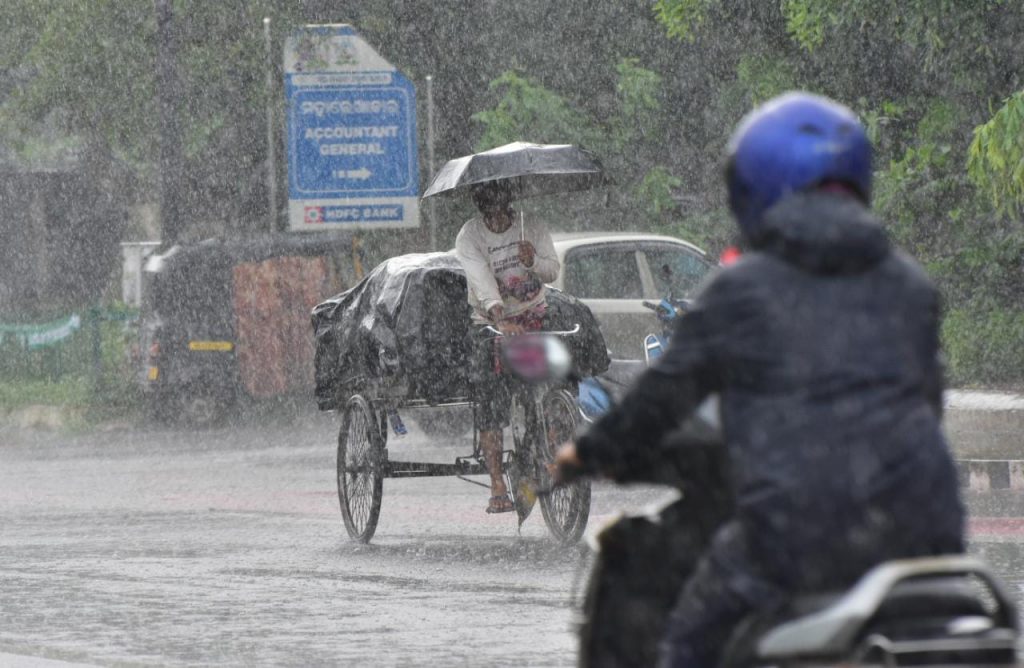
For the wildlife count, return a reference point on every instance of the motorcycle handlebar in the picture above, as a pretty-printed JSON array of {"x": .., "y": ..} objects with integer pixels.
[{"x": 567, "y": 332}]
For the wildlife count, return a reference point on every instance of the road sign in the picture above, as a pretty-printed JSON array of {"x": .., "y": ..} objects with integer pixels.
[{"x": 352, "y": 160}]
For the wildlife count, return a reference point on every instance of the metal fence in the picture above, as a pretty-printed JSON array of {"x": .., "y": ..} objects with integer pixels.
[{"x": 97, "y": 343}]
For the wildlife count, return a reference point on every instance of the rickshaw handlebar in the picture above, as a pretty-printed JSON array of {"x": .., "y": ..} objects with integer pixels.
[{"x": 568, "y": 332}]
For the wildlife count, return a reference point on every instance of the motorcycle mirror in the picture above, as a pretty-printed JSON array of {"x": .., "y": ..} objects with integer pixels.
[{"x": 537, "y": 358}]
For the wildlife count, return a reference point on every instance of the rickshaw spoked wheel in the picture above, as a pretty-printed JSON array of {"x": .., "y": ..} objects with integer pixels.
[
  {"x": 360, "y": 469},
  {"x": 567, "y": 507}
]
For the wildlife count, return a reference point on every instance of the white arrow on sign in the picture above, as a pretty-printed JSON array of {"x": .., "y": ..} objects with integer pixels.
[{"x": 362, "y": 173}]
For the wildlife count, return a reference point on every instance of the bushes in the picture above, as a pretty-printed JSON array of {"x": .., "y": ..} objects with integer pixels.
[
  {"x": 90, "y": 370},
  {"x": 68, "y": 391},
  {"x": 984, "y": 347}
]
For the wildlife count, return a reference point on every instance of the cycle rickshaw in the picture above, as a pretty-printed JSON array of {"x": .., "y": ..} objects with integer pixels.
[{"x": 396, "y": 340}]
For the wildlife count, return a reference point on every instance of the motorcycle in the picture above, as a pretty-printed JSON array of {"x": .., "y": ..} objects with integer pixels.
[
  {"x": 598, "y": 393},
  {"x": 936, "y": 611}
]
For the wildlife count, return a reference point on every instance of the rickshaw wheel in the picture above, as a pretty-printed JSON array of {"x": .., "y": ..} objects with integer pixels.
[
  {"x": 567, "y": 507},
  {"x": 360, "y": 469}
]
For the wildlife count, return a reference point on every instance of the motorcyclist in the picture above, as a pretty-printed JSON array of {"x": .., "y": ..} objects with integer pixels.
[{"x": 822, "y": 341}]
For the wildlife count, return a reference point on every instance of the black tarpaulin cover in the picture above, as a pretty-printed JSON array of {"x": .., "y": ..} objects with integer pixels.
[{"x": 401, "y": 332}]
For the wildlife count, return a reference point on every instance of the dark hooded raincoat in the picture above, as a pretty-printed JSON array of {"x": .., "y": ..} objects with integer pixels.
[{"x": 823, "y": 345}]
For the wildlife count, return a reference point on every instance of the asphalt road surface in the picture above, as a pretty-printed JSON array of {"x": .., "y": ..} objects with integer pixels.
[{"x": 226, "y": 547}]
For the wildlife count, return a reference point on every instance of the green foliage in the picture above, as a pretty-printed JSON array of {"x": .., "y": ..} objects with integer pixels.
[
  {"x": 924, "y": 168},
  {"x": 654, "y": 89},
  {"x": 624, "y": 138},
  {"x": 995, "y": 159},
  {"x": 637, "y": 90},
  {"x": 764, "y": 78},
  {"x": 712, "y": 230},
  {"x": 877, "y": 121},
  {"x": 807, "y": 22},
  {"x": 682, "y": 18},
  {"x": 66, "y": 374},
  {"x": 935, "y": 29},
  {"x": 655, "y": 190},
  {"x": 74, "y": 391},
  {"x": 984, "y": 346},
  {"x": 527, "y": 111},
  {"x": 922, "y": 74},
  {"x": 74, "y": 50},
  {"x": 86, "y": 76}
]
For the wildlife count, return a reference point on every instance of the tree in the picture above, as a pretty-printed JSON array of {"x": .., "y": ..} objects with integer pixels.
[
  {"x": 996, "y": 156},
  {"x": 627, "y": 139},
  {"x": 86, "y": 74},
  {"x": 938, "y": 86}
]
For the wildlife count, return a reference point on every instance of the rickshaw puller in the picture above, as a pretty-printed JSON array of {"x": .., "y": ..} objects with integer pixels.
[{"x": 506, "y": 268}]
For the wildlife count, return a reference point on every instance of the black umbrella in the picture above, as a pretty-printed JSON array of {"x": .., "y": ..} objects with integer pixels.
[{"x": 529, "y": 169}]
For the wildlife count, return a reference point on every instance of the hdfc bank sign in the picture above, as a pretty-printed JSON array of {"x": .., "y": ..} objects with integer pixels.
[{"x": 314, "y": 215}]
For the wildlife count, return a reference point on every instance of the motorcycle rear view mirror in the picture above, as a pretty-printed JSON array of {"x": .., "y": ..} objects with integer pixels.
[{"x": 536, "y": 358}]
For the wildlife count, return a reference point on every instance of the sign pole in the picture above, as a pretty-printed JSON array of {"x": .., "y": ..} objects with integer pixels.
[
  {"x": 430, "y": 159},
  {"x": 172, "y": 162},
  {"x": 271, "y": 144}
]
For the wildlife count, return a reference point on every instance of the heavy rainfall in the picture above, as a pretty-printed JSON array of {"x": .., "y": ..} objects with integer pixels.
[{"x": 331, "y": 333}]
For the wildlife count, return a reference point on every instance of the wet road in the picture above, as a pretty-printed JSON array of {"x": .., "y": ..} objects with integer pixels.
[{"x": 226, "y": 547}]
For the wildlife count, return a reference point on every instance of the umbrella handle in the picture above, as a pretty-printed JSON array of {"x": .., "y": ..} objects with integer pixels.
[{"x": 522, "y": 226}]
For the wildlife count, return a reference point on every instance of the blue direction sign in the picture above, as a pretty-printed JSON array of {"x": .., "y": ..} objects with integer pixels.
[{"x": 352, "y": 159}]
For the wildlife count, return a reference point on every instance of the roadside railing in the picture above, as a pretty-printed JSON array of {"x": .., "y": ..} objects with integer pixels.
[{"x": 94, "y": 343}]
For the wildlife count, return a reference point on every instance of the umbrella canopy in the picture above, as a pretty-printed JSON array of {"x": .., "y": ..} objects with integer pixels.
[{"x": 529, "y": 169}]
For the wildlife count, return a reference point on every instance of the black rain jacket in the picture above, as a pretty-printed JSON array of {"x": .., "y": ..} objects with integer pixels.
[{"x": 823, "y": 345}]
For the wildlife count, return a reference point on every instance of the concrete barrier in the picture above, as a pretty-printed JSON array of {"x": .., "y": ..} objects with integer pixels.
[
  {"x": 985, "y": 425},
  {"x": 986, "y": 475}
]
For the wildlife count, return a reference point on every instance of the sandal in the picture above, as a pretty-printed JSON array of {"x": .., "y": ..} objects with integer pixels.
[{"x": 500, "y": 504}]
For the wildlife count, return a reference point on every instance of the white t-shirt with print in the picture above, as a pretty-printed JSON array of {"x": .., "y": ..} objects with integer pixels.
[{"x": 494, "y": 272}]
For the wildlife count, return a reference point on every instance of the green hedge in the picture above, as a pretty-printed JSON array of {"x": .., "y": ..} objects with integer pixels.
[
  {"x": 68, "y": 391},
  {"x": 69, "y": 373},
  {"x": 984, "y": 347}
]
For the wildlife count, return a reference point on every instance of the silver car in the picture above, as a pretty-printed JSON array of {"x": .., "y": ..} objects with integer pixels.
[{"x": 614, "y": 272}]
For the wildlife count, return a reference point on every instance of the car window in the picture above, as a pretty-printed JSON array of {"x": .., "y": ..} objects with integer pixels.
[
  {"x": 676, "y": 271},
  {"x": 607, "y": 273}
]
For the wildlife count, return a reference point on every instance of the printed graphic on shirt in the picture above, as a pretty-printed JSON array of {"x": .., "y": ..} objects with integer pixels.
[{"x": 514, "y": 280}]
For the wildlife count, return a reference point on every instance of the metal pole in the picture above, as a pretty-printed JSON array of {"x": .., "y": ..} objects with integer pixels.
[
  {"x": 430, "y": 159},
  {"x": 271, "y": 144},
  {"x": 97, "y": 348},
  {"x": 172, "y": 161}
]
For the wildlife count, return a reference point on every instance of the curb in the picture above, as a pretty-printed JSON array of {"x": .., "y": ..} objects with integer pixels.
[
  {"x": 985, "y": 475},
  {"x": 40, "y": 416},
  {"x": 983, "y": 400}
]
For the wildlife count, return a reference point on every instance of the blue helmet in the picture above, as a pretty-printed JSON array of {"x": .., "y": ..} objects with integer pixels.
[{"x": 791, "y": 143}]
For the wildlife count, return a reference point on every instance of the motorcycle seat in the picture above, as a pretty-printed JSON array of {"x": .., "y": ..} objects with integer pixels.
[
  {"x": 931, "y": 597},
  {"x": 921, "y": 600},
  {"x": 914, "y": 609}
]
